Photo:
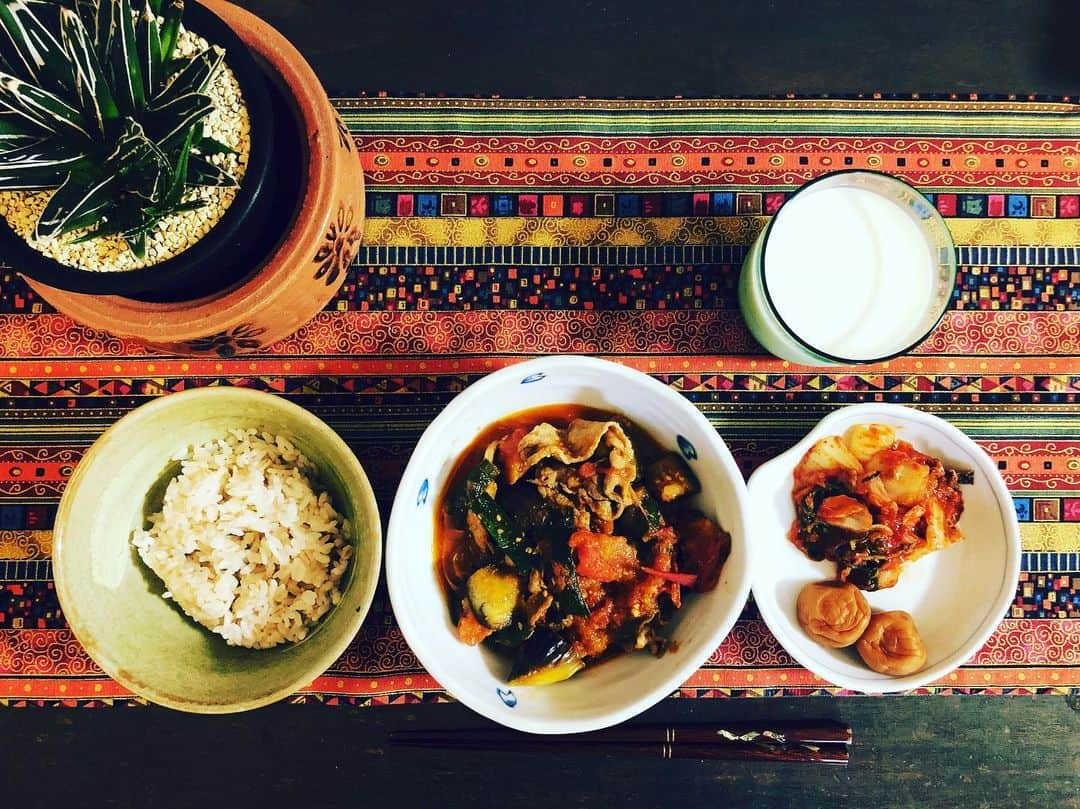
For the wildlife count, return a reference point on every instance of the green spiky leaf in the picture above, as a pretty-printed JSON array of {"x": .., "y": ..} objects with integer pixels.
[
  {"x": 41, "y": 178},
  {"x": 30, "y": 49},
  {"x": 148, "y": 180},
  {"x": 16, "y": 140},
  {"x": 100, "y": 227},
  {"x": 88, "y": 13},
  {"x": 41, "y": 152},
  {"x": 142, "y": 164},
  {"x": 86, "y": 221},
  {"x": 172, "y": 14},
  {"x": 137, "y": 243},
  {"x": 157, "y": 214},
  {"x": 178, "y": 181},
  {"x": 131, "y": 148},
  {"x": 85, "y": 194},
  {"x": 11, "y": 124},
  {"x": 161, "y": 212},
  {"x": 79, "y": 197},
  {"x": 148, "y": 42},
  {"x": 40, "y": 109},
  {"x": 124, "y": 61},
  {"x": 202, "y": 172},
  {"x": 169, "y": 123},
  {"x": 5, "y": 66},
  {"x": 91, "y": 85},
  {"x": 208, "y": 147},
  {"x": 193, "y": 76},
  {"x": 105, "y": 31}
]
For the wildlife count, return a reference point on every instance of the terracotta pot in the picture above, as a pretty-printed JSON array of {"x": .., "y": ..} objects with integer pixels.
[{"x": 305, "y": 269}]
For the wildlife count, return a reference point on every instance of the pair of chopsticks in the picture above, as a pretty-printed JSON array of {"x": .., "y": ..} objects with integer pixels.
[{"x": 824, "y": 742}]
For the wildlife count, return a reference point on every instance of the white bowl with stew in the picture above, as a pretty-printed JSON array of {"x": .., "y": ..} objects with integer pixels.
[
  {"x": 610, "y": 691},
  {"x": 957, "y": 596}
]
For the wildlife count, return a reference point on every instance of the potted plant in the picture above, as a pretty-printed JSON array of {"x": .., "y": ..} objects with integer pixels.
[
  {"x": 127, "y": 140},
  {"x": 162, "y": 167}
]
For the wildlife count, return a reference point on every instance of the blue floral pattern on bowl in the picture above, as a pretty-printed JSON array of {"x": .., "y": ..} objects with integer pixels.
[
  {"x": 508, "y": 697},
  {"x": 422, "y": 495},
  {"x": 534, "y": 378},
  {"x": 686, "y": 448}
]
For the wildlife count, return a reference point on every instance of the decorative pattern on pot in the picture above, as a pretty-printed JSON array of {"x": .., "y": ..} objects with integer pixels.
[
  {"x": 344, "y": 136},
  {"x": 229, "y": 343},
  {"x": 340, "y": 246}
]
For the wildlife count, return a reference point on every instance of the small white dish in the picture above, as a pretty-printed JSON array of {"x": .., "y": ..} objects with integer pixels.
[
  {"x": 957, "y": 596},
  {"x": 617, "y": 689}
]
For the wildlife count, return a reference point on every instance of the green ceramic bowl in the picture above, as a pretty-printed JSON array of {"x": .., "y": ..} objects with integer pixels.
[{"x": 113, "y": 602}]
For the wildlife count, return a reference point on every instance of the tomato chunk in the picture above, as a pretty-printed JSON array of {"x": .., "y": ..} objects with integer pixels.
[
  {"x": 604, "y": 557},
  {"x": 470, "y": 630},
  {"x": 508, "y": 453}
]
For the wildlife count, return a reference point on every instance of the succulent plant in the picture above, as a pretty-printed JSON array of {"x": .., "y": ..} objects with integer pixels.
[{"x": 95, "y": 103}]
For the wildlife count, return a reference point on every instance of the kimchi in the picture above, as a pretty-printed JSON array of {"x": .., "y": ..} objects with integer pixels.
[{"x": 871, "y": 503}]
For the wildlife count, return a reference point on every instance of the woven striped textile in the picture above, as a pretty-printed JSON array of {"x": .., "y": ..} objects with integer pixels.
[{"x": 503, "y": 229}]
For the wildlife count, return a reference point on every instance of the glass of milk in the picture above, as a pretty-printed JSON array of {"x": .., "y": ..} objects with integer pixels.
[{"x": 855, "y": 267}]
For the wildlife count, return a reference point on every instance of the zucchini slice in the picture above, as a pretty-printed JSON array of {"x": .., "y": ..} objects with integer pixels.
[
  {"x": 479, "y": 479},
  {"x": 477, "y": 482},
  {"x": 506, "y": 535},
  {"x": 543, "y": 659},
  {"x": 493, "y": 596},
  {"x": 669, "y": 478}
]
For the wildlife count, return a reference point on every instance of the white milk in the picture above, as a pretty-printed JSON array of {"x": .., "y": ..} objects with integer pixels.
[{"x": 851, "y": 272}]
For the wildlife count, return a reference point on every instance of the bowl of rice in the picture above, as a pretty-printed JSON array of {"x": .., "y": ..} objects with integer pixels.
[{"x": 217, "y": 549}]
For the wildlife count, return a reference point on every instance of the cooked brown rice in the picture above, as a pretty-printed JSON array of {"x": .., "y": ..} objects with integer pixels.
[{"x": 245, "y": 543}]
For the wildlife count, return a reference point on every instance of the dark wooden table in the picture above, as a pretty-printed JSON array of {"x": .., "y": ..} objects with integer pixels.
[{"x": 940, "y": 751}]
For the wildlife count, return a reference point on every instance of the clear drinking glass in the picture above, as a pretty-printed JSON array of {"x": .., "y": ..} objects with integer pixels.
[{"x": 855, "y": 267}]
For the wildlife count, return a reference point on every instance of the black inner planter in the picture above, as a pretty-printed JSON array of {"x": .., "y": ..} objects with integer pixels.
[{"x": 248, "y": 230}]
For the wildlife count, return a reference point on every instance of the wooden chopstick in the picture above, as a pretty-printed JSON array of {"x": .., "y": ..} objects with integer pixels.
[
  {"x": 823, "y": 732},
  {"x": 732, "y": 751},
  {"x": 820, "y": 742}
]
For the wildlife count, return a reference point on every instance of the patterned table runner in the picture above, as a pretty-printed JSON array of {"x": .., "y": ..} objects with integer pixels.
[{"x": 502, "y": 229}]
